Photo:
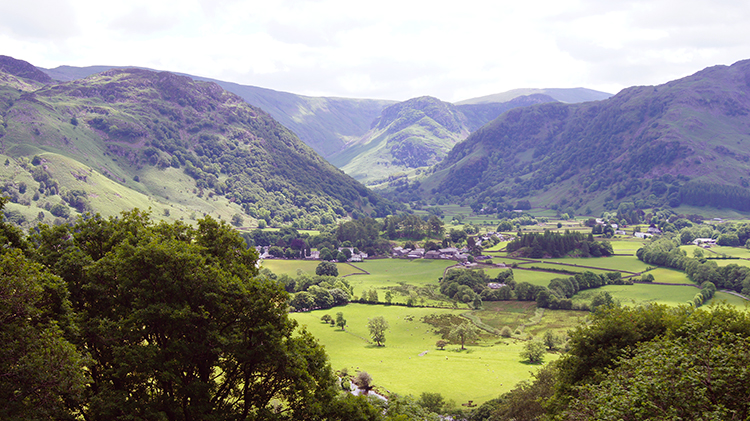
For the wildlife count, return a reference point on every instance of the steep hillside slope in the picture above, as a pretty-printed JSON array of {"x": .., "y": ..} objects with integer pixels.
[
  {"x": 682, "y": 142},
  {"x": 325, "y": 124},
  {"x": 174, "y": 140},
  {"x": 410, "y": 136}
]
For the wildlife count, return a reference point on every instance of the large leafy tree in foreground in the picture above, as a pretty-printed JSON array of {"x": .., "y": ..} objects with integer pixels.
[
  {"x": 40, "y": 371},
  {"x": 179, "y": 327}
]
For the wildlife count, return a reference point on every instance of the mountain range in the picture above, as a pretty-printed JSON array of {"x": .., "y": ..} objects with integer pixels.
[
  {"x": 369, "y": 138},
  {"x": 683, "y": 142}
]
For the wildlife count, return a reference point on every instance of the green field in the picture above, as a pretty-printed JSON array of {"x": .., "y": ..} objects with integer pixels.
[
  {"x": 553, "y": 266},
  {"x": 670, "y": 276},
  {"x": 641, "y": 294},
  {"x": 290, "y": 267},
  {"x": 729, "y": 299},
  {"x": 409, "y": 363},
  {"x": 611, "y": 263}
]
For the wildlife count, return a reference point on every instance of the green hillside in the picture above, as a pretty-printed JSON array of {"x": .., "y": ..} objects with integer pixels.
[
  {"x": 683, "y": 142},
  {"x": 409, "y": 137},
  {"x": 325, "y": 124},
  {"x": 166, "y": 140}
]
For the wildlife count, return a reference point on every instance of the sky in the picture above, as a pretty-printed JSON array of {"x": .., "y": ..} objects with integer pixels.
[{"x": 389, "y": 49}]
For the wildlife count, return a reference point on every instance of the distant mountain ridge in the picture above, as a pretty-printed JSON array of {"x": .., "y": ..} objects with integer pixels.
[
  {"x": 410, "y": 136},
  {"x": 680, "y": 142},
  {"x": 569, "y": 95},
  {"x": 186, "y": 145}
]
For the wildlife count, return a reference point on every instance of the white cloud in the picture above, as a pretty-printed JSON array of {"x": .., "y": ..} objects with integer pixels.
[{"x": 393, "y": 49}]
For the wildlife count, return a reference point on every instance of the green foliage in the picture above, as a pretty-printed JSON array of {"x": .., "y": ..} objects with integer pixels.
[
  {"x": 166, "y": 306},
  {"x": 465, "y": 332},
  {"x": 327, "y": 269},
  {"x": 533, "y": 352},
  {"x": 554, "y": 244},
  {"x": 340, "y": 320},
  {"x": 377, "y": 327}
]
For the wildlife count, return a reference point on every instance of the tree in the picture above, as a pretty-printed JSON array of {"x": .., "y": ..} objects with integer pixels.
[
  {"x": 441, "y": 343},
  {"x": 39, "y": 369},
  {"x": 432, "y": 402},
  {"x": 166, "y": 307},
  {"x": 327, "y": 269},
  {"x": 533, "y": 352},
  {"x": 327, "y": 319},
  {"x": 377, "y": 326},
  {"x": 465, "y": 332},
  {"x": 363, "y": 380},
  {"x": 550, "y": 340},
  {"x": 388, "y": 296},
  {"x": 340, "y": 321}
]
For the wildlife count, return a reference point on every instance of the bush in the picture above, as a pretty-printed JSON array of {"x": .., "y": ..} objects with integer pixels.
[{"x": 506, "y": 332}]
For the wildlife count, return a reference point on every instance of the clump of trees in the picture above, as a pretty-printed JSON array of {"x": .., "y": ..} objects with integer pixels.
[
  {"x": 114, "y": 318},
  {"x": 554, "y": 244}
]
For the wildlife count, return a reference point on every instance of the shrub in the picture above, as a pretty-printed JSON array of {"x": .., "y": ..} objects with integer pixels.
[{"x": 506, "y": 332}]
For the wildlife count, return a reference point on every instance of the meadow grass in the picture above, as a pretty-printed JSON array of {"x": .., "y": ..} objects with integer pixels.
[
  {"x": 531, "y": 276},
  {"x": 670, "y": 276},
  {"x": 553, "y": 266},
  {"x": 626, "y": 246},
  {"x": 410, "y": 363},
  {"x": 642, "y": 293},
  {"x": 731, "y": 299},
  {"x": 290, "y": 267},
  {"x": 740, "y": 252},
  {"x": 611, "y": 263}
]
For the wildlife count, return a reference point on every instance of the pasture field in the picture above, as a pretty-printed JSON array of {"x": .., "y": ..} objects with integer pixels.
[
  {"x": 612, "y": 263},
  {"x": 390, "y": 273},
  {"x": 290, "y": 267},
  {"x": 626, "y": 246},
  {"x": 497, "y": 247},
  {"x": 524, "y": 316},
  {"x": 641, "y": 294},
  {"x": 410, "y": 364},
  {"x": 740, "y": 252},
  {"x": 730, "y": 299},
  {"x": 531, "y": 276},
  {"x": 553, "y": 266},
  {"x": 670, "y": 276},
  {"x": 727, "y": 262}
]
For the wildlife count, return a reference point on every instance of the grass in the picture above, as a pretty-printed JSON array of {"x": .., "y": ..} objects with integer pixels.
[
  {"x": 611, "y": 263},
  {"x": 409, "y": 363},
  {"x": 531, "y": 276},
  {"x": 730, "y": 299},
  {"x": 642, "y": 294},
  {"x": 290, "y": 267},
  {"x": 670, "y": 276}
]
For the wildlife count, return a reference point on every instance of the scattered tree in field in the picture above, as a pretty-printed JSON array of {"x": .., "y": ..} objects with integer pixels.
[
  {"x": 465, "y": 332},
  {"x": 327, "y": 269},
  {"x": 533, "y": 352},
  {"x": 388, "y": 296},
  {"x": 327, "y": 319},
  {"x": 377, "y": 326},
  {"x": 441, "y": 344},
  {"x": 340, "y": 320}
]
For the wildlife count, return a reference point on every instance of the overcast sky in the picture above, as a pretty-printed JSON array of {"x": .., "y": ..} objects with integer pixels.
[{"x": 389, "y": 49}]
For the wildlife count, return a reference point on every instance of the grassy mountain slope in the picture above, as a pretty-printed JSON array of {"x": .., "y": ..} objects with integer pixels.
[
  {"x": 325, "y": 124},
  {"x": 410, "y": 136},
  {"x": 168, "y": 140},
  {"x": 682, "y": 142},
  {"x": 567, "y": 95}
]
